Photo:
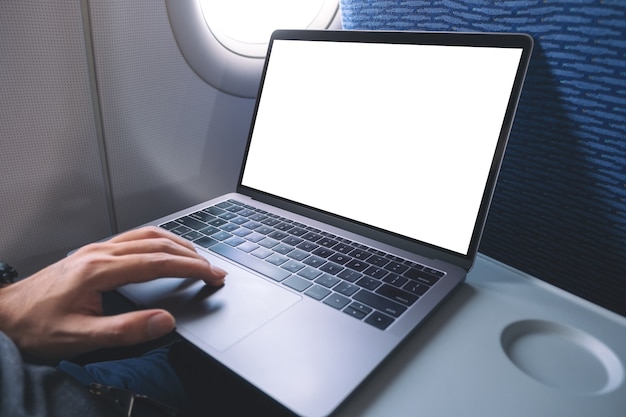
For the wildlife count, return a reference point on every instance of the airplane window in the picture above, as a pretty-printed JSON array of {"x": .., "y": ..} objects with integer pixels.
[{"x": 225, "y": 41}]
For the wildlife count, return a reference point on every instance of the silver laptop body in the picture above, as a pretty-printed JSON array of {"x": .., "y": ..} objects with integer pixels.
[{"x": 370, "y": 166}]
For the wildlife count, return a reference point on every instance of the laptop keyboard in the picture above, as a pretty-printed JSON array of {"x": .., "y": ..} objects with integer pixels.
[{"x": 363, "y": 282}]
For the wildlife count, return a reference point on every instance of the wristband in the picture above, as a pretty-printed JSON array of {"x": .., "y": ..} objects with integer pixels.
[{"x": 8, "y": 274}]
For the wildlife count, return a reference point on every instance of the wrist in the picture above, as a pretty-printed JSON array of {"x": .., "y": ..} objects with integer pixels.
[{"x": 11, "y": 304}]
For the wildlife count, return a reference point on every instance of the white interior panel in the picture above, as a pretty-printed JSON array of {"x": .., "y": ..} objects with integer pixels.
[
  {"x": 172, "y": 140},
  {"x": 52, "y": 187}
]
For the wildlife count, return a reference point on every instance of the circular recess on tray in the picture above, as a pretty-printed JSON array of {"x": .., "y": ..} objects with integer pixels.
[{"x": 562, "y": 357}]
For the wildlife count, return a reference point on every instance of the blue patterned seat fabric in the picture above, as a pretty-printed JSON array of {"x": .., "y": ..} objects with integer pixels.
[{"x": 559, "y": 211}]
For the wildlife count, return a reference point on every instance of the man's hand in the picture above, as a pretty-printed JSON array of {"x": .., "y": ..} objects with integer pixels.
[{"x": 57, "y": 312}]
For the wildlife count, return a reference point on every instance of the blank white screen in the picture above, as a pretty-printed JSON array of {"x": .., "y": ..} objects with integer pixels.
[{"x": 362, "y": 130}]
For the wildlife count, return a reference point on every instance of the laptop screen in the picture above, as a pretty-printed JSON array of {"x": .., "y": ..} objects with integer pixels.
[{"x": 398, "y": 136}]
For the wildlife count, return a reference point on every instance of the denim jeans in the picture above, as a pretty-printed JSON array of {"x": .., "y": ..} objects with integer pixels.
[{"x": 150, "y": 374}]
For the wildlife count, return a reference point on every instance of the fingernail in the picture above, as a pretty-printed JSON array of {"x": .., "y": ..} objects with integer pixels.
[
  {"x": 218, "y": 271},
  {"x": 160, "y": 324}
]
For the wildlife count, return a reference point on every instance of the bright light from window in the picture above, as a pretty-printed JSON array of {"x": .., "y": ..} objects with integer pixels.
[
  {"x": 245, "y": 26},
  {"x": 225, "y": 41}
]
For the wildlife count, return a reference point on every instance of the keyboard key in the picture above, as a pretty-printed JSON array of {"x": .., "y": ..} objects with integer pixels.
[
  {"x": 258, "y": 217},
  {"x": 278, "y": 235},
  {"x": 277, "y": 259},
  {"x": 357, "y": 265},
  {"x": 331, "y": 268},
  {"x": 343, "y": 248},
  {"x": 292, "y": 240},
  {"x": 297, "y": 254},
  {"x": 307, "y": 246},
  {"x": 192, "y": 223},
  {"x": 317, "y": 292},
  {"x": 359, "y": 254},
  {"x": 397, "y": 294},
  {"x": 434, "y": 272},
  {"x": 228, "y": 215},
  {"x": 349, "y": 275},
  {"x": 379, "y": 303},
  {"x": 357, "y": 310},
  {"x": 379, "y": 320},
  {"x": 251, "y": 225},
  {"x": 312, "y": 237},
  {"x": 251, "y": 262},
  {"x": 340, "y": 258},
  {"x": 221, "y": 235},
  {"x": 254, "y": 237},
  {"x": 297, "y": 231},
  {"x": 328, "y": 281},
  {"x": 216, "y": 211},
  {"x": 181, "y": 230},
  {"x": 169, "y": 225},
  {"x": 232, "y": 209},
  {"x": 368, "y": 283},
  {"x": 202, "y": 216},
  {"x": 346, "y": 288},
  {"x": 218, "y": 222},
  {"x": 270, "y": 221},
  {"x": 297, "y": 283},
  {"x": 309, "y": 273},
  {"x": 396, "y": 267},
  {"x": 336, "y": 300},
  {"x": 209, "y": 230},
  {"x": 268, "y": 242},
  {"x": 327, "y": 242},
  {"x": 261, "y": 253},
  {"x": 292, "y": 266},
  {"x": 377, "y": 260},
  {"x": 205, "y": 242},
  {"x": 246, "y": 213},
  {"x": 395, "y": 280},
  {"x": 314, "y": 261},
  {"x": 415, "y": 288},
  {"x": 323, "y": 252},
  {"x": 193, "y": 235},
  {"x": 230, "y": 227},
  {"x": 283, "y": 226},
  {"x": 265, "y": 230},
  {"x": 375, "y": 272},
  {"x": 234, "y": 241},
  {"x": 241, "y": 232},
  {"x": 239, "y": 220},
  {"x": 282, "y": 248},
  {"x": 246, "y": 246},
  {"x": 421, "y": 276}
]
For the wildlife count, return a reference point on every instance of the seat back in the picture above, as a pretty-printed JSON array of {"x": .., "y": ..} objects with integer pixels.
[{"x": 559, "y": 210}]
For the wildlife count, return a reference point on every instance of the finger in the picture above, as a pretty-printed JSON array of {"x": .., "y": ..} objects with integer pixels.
[
  {"x": 159, "y": 240},
  {"x": 149, "y": 245},
  {"x": 129, "y": 328},
  {"x": 142, "y": 267},
  {"x": 151, "y": 232}
]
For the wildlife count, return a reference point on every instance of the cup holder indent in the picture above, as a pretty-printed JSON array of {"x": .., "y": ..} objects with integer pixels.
[{"x": 562, "y": 357}]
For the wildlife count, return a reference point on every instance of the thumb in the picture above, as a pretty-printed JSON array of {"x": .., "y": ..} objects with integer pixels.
[{"x": 135, "y": 327}]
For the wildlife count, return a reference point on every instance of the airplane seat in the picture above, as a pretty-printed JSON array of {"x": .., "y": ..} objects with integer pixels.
[{"x": 559, "y": 210}]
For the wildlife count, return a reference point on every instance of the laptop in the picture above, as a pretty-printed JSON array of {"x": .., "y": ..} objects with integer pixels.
[{"x": 368, "y": 173}]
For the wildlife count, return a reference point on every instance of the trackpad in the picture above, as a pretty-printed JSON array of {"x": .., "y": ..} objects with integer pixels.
[{"x": 219, "y": 317}]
